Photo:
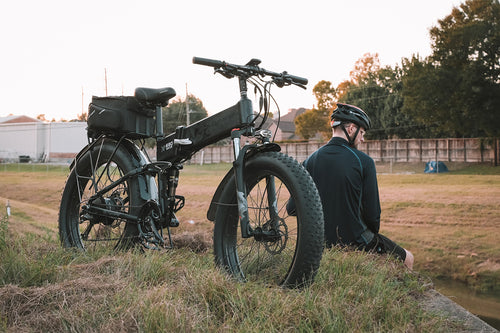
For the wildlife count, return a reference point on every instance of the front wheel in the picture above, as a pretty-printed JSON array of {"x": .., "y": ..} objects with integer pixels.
[{"x": 284, "y": 249}]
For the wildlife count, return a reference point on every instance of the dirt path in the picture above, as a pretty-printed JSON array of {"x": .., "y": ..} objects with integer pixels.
[{"x": 30, "y": 218}]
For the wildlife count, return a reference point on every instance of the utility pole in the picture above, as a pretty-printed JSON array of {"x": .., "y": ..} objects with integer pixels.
[
  {"x": 82, "y": 101},
  {"x": 106, "y": 81},
  {"x": 187, "y": 106}
]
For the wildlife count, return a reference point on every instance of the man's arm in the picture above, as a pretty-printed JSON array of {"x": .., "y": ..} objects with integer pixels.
[{"x": 371, "y": 201}]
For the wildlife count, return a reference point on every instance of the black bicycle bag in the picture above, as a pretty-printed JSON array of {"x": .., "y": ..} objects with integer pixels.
[{"x": 120, "y": 115}]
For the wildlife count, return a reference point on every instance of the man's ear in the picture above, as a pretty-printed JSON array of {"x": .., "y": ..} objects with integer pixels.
[{"x": 350, "y": 128}]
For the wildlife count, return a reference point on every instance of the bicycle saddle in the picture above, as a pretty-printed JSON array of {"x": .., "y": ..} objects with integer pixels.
[{"x": 153, "y": 96}]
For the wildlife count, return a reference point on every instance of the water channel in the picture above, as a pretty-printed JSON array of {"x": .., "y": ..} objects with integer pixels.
[{"x": 484, "y": 305}]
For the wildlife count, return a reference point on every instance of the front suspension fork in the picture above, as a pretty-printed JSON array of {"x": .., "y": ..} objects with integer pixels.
[{"x": 241, "y": 190}]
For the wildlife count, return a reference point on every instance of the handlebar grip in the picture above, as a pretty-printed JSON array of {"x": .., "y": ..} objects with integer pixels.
[
  {"x": 208, "y": 62},
  {"x": 298, "y": 79}
]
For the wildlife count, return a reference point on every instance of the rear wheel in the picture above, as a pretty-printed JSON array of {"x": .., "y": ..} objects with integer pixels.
[
  {"x": 83, "y": 228},
  {"x": 284, "y": 249}
]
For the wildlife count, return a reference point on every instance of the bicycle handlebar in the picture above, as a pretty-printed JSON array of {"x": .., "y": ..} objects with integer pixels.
[
  {"x": 208, "y": 62},
  {"x": 250, "y": 69}
]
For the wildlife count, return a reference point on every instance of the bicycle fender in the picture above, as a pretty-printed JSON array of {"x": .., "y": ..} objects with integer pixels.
[
  {"x": 147, "y": 184},
  {"x": 212, "y": 209},
  {"x": 81, "y": 153}
]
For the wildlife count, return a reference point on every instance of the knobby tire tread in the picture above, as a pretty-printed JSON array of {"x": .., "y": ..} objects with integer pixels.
[
  {"x": 309, "y": 246},
  {"x": 68, "y": 222}
]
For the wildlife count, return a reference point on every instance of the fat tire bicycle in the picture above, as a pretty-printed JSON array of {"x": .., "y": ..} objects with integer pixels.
[{"x": 117, "y": 197}]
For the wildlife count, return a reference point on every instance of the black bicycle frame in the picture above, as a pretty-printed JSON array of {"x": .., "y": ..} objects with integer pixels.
[
  {"x": 179, "y": 146},
  {"x": 187, "y": 140}
]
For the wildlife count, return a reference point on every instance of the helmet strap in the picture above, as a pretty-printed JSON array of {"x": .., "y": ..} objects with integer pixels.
[{"x": 353, "y": 139}]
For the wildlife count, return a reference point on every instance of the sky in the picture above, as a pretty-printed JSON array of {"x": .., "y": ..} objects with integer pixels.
[{"x": 55, "y": 53}]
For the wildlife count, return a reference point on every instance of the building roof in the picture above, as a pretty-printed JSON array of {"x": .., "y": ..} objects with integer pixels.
[
  {"x": 13, "y": 119},
  {"x": 287, "y": 122},
  {"x": 292, "y": 114}
]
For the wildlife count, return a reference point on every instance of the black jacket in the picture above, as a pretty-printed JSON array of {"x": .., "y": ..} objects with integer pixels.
[{"x": 347, "y": 183}]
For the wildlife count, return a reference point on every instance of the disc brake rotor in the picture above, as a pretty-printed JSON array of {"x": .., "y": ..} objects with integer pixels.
[{"x": 279, "y": 241}]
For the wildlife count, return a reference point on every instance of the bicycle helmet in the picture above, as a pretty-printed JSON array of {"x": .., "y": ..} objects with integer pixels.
[{"x": 345, "y": 113}]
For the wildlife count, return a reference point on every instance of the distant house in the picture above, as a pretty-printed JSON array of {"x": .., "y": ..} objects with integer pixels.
[
  {"x": 12, "y": 119},
  {"x": 286, "y": 129}
]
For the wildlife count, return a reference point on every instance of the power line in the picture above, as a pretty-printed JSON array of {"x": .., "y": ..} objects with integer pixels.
[
  {"x": 403, "y": 127},
  {"x": 375, "y": 97}
]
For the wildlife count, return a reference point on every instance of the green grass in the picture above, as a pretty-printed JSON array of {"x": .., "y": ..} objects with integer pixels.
[
  {"x": 46, "y": 288},
  {"x": 35, "y": 167},
  {"x": 3, "y": 231}
]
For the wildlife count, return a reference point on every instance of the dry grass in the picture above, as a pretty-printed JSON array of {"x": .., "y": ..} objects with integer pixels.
[
  {"x": 449, "y": 221},
  {"x": 182, "y": 291}
]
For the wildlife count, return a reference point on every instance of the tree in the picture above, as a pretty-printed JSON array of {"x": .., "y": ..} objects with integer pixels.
[
  {"x": 458, "y": 86},
  {"x": 364, "y": 68},
  {"x": 317, "y": 120},
  {"x": 309, "y": 123},
  {"x": 175, "y": 113},
  {"x": 377, "y": 91},
  {"x": 82, "y": 117},
  {"x": 374, "y": 89},
  {"x": 325, "y": 95},
  {"x": 363, "y": 89}
]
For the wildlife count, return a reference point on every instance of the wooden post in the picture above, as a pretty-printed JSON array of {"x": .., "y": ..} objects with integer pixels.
[
  {"x": 420, "y": 149},
  {"x": 380, "y": 151},
  {"x": 437, "y": 157},
  {"x": 465, "y": 151},
  {"x": 448, "y": 149},
  {"x": 395, "y": 150},
  {"x": 407, "y": 151},
  {"x": 495, "y": 153},
  {"x": 481, "y": 148}
]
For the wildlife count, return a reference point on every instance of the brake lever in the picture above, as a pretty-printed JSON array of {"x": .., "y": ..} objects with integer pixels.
[
  {"x": 280, "y": 82},
  {"x": 224, "y": 73},
  {"x": 283, "y": 80}
]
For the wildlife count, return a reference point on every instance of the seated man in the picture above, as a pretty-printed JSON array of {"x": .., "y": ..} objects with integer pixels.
[{"x": 347, "y": 183}]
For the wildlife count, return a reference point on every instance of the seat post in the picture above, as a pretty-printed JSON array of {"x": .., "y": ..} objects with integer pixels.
[{"x": 159, "y": 121}]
